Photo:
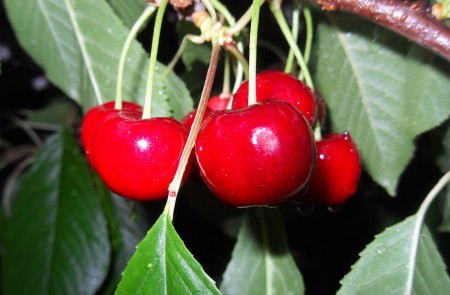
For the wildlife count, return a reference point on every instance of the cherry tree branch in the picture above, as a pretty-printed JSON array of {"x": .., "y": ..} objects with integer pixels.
[{"x": 412, "y": 20}]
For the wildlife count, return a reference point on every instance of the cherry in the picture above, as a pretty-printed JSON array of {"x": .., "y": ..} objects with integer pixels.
[
  {"x": 337, "y": 172},
  {"x": 279, "y": 85},
  {"x": 93, "y": 118},
  {"x": 261, "y": 155},
  {"x": 137, "y": 158},
  {"x": 188, "y": 120},
  {"x": 218, "y": 102},
  {"x": 187, "y": 123}
]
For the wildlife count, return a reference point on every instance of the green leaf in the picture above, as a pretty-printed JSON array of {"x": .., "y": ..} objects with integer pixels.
[
  {"x": 81, "y": 60},
  {"x": 362, "y": 80},
  {"x": 56, "y": 238},
  {"x": 426, "y": 90},
  {"x": 391, "y": 265},
  {"x": 261, "y": 262},
  {"x": 127, "y": 10},
  {"x": 163, "y": 265},
  {"x": 193, "y": 52}
]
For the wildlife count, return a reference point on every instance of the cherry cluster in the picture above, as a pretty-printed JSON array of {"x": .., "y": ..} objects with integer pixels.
[{"x": 264, "y": 154}]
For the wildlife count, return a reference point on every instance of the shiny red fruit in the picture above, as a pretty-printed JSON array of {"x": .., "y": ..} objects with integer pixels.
[
  {"x": 218, "y": 102},
  {"x": 137, "y": 158},
  {"x": 260, "y": 155},
  {"x": 188, "y": 120},
  {"x": 337, "y": 172},
  {"x": 94, "y": 117},
  {"x": 279, "y": 85}
]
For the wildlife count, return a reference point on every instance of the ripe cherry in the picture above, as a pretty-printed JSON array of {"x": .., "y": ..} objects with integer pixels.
[
  {"x": 137, "y": 158},
  {"x": 261, "y": 155},
  {"x": 279, "y": 85},
  {"x": 93, "y": 118},
  {"x": 337, "y": 172},
  {"x": 187, "y": 122},
  {"x": 218, "y": 102}
]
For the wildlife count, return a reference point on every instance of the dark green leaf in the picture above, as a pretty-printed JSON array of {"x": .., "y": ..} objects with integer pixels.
[
  {"x": 163, "y": 265},
  {"x": 128, "y": 10},
  {"x": 262, "y": 262},
  {"x": 78, "y": 43},
  {"x": 193, "y": 52},
  {"x": 445, "y": 224},
  {"x": 362, "y": 79},
  {"x": 426, "y": 93},
  {"x": 56, "y": 239},
  {"x": 399, "y": 262}
]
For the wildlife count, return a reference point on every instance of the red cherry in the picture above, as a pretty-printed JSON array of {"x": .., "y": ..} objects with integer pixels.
[
  {"x": 137, "y": 158},
  {"x": 279, "y": 85},
  {"x": 187, "y": 123},
  {"x": 189, "y": 118},
  {"x": 94, "y": 117},
  {"x": 337, "y": 172},
  {"x": 256, "y": 156},
  {"x": 218, "y": 102}
]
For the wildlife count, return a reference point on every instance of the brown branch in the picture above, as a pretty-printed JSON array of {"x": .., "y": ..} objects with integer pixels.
[{"x": 411, "y": 20}]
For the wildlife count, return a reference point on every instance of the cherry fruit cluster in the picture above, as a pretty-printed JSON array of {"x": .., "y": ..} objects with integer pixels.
[{"x": 264, "y": 154}]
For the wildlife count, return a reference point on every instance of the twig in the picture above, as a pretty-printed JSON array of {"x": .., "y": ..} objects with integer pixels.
[{"x": 411, "y": 20}]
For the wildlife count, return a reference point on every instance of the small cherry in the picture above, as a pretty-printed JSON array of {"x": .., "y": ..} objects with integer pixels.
[
  {"x": 279, "y": 85},
  {"x": 219, "y": 102},
  {"x": 137, "y": 158},
  {"x": 260, "y": 155},
  {"x": 337, "y": 172},
  {"x": 188, "y": 120},
  {"x": 96, "y": 116}
]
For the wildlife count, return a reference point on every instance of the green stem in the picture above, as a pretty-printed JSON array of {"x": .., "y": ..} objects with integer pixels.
[
  {"x": 241, "y": 68},
  {"x": 222, "y": 9},
  {"x": 210, "y": 8},
  {"x": 226, "y": 75},
  {"x": 176, "y": 182},
  {"x": 152, "y": 64},
  {"x": 244, "y": 20},
  {"x": 240, "y": 57},
  {"x": 131, "y": 36},
  {"x": 281, "y": 20},
  {"x": 309, "y": 33},
  {"x": 295, "y": 27},
  {"x": 253, "y": 52},
  {"x": 194, "y": 39}
]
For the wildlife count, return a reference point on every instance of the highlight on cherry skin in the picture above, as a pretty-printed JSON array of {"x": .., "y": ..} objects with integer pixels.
[
  {"x": 137, "y": 158},
  {"x": 337, "y": 173},
  {"x": 261, "y": 155},
  {"x": 274, "y": 84},
  {"x": 94, "y": 118}
]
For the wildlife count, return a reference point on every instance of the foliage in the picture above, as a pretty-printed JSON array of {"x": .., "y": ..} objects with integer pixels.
[{"x": 64, "y": 232}]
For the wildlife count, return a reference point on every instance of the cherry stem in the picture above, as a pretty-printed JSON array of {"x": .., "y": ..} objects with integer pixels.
[
  {"x": 244, "y": 20},
  {"x": 210, "y": 8},
  {"x": 253, "y": 48},
  {"x": 226, "y": 75},
  {"x": 194, "y": 39},
  {"x": 147, "y": 113},
  {"x": 186, "y": 154},
  {"x": 295, "y": 29},
  {"x": 146, "y": 14},
  {"x": 281, "y": 20},
  {"x": 222, "y": 9},
  {"x": 241, "y": 68},
  {"x": 233, "y": 49},
  {"x": 309, "y": 33}
]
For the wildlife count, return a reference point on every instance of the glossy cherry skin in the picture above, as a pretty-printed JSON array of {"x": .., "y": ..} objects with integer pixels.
[
  {"x": 337, "y": 172},
  {"x": 260, "y": 155},
  {"x": 96, "y": 116},
  {"x": 279, "y": 85},
  {"x": 188, "y": 120},
  {"x": 137, "y": 158},
  {"x": 218, "y": 102}
]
